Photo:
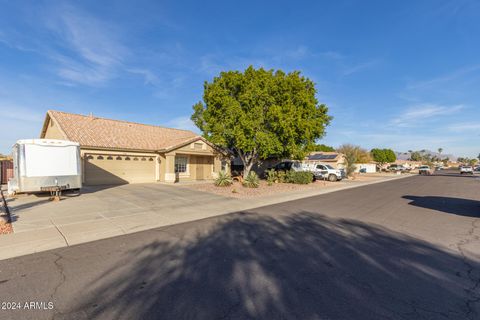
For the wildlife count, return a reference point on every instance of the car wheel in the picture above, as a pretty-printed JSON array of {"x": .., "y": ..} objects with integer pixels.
[{"x": 332, "y": 178}]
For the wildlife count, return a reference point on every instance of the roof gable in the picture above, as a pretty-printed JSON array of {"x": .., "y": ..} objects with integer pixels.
[{"x": 92, "y": 131}]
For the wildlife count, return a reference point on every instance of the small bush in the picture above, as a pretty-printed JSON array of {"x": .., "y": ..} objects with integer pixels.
[
  {"x": 251, "y": 181},
  {"x": 299, "y": 177},
  {"x": 223, "y": 179},
  {"x": 281, "y": 177},
  {"x": 271, "y": 177},
  {"x": 290, "y": 176}
]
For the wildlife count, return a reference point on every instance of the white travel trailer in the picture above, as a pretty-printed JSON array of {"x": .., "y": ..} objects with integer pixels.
[{"x": 44, "y": 163}]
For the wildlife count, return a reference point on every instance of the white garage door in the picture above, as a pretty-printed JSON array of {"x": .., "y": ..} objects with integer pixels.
[{"x": 114, "y": 169}]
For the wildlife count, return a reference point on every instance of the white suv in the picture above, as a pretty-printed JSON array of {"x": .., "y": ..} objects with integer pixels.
[
  {"x": 466, "y": 169},
  {"x": 326, "y": 171}
]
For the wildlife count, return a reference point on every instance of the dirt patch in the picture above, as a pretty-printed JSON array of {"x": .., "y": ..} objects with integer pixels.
[
  {"x": 6, "y": 228},
  {"x": 238, "y": 191}
]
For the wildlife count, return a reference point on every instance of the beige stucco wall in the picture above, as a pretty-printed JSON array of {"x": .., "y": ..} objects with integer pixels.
[
  {"x": 203, "y": 162},
  {"x": 53, "y": 132},
  {"x": 162, "y": 167}
]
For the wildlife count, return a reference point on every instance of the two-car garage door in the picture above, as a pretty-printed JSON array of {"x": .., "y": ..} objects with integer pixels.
[{"x": 118, "y": 169}]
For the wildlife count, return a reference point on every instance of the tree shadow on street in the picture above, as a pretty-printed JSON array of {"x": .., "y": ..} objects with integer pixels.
[
  {"x": 302, "y": 266},
  {"x": 458, "y": 206}
]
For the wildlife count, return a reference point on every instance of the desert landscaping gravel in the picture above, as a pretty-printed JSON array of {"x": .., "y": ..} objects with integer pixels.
[
  {"x": 238, "y": 191},
  {"x": 6, "y": 228}
]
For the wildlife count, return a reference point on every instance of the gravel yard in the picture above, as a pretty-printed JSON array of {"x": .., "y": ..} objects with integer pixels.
[
  {"x": 238, "y": 191},
  {"x": 6, "y": 228}
]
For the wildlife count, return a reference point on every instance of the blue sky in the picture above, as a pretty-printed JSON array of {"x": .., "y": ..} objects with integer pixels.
[{"x": 399, "y": 74}]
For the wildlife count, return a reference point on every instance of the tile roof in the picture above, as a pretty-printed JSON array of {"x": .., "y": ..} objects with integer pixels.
[{"x": 91, "y": 131}]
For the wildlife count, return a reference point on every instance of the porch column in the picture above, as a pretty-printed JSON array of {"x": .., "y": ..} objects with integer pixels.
[
  {"x": 157, "y": 168},
  {"x": 170, "y": 168}
]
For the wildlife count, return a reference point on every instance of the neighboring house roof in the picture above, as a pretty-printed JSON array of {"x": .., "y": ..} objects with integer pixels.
[
  {"x": 91, "y": 131},
  {"x": 324, "y": 156}
]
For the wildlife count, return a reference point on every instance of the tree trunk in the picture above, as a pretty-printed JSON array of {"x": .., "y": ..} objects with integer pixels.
[
  {"x": 248, "y": 161},
  {"x": 246, "y": 169}
]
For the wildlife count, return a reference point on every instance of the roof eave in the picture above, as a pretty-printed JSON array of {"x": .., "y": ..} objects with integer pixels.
[{"x": 184, "y": 143}]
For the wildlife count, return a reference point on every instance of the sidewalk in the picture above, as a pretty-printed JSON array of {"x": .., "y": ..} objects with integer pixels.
[{"x": 124, "y": 210}]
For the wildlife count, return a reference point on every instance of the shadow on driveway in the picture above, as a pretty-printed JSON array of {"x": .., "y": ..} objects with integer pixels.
[
  {"x": 303, "y": 266},
  {"x": 458, "y": 206}
]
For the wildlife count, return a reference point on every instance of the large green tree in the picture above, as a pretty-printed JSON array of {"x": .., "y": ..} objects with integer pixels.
[
  {"x": 382, "y": 156},
  {"x": 323, "y": 148},
  {"x": 261, "y": 113}
]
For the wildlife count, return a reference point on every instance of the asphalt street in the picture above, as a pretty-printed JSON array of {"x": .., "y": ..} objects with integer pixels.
[{"x": 403, "y": 249}]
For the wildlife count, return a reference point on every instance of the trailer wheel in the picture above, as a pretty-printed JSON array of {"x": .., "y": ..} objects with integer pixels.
[{"x": 72, "y": 193}]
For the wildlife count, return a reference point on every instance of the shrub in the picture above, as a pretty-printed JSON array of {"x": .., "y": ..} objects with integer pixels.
[
  {"x": 281, "y": 177},
  {"x": 251, "y": 181},
  {"x": 223, "y": 179},
  {"x": 299, "y": 177},
  {"x": 271, "y": 177}
]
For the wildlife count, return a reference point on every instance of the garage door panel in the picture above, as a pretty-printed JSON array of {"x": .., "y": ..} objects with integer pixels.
[{"x": 113, "y": 169}]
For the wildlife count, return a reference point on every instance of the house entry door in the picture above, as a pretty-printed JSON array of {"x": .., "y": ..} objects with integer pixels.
[{"x": 199, "y": 168}]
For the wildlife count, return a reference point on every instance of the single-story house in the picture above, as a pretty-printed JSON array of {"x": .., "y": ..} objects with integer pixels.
[
  {"x": 335, "y": 159},
  {"x": 117, "y": 152}
]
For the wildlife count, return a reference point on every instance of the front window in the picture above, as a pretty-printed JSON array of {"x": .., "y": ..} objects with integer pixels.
[
  {"x": 329, "y": 166},
  {"x": 181, "y": 164},
  {"x": 224, "y": 165}
]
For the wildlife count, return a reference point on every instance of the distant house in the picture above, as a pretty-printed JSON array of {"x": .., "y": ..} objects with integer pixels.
[
  {"x": 409, "y": 164},
  {"x": 335, "y": 159},
  {"x": 116, "y": 152},
  {"x": 370, "y": 167}
]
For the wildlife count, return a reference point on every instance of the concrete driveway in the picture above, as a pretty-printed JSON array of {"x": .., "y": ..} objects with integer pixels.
[{"x": 101, "y": 212}]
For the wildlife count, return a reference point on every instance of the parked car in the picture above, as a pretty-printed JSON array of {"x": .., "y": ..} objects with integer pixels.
[
  {"x": 396, "y": 168},
  {"x": 477, "y": 169},
  {"x": 319, "y": 171},
  {"x": 325, "y": 171},
  {"x": 286, "y": 166},
  {"x": 425, "y": 170},
  {"x": 466, "y": 170}
]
